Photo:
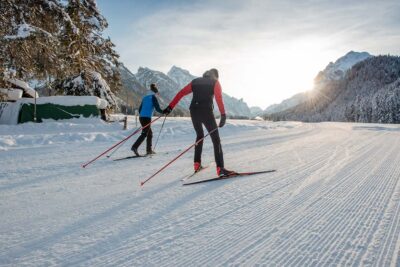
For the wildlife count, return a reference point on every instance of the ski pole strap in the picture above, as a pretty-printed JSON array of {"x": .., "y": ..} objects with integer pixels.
[
  {"x": 169, "y": 163},
  {"x": 123, "y": 140}
]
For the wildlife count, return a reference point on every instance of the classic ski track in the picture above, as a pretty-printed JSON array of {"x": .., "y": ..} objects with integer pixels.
[
  {"x": 137, "y": 240},
  {"x": 283, "y": 245},
  {"x": 200, "y": 214},
  {"x": 349, "y": 195},
  {"x": 329, "y": 230},
  {"x": 285, "y": 222},
  {"x": 255, "y": 231}
]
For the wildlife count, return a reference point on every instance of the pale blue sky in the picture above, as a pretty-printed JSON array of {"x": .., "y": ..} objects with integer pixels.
[{"x": 266, "y": 51}]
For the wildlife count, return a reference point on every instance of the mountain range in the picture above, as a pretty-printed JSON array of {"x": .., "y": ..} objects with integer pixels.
[
  {"x": 356, "y": 87},
  {"x": 334, "y": 71},
  {"x": 369, "y": 91},
  {"x": 134, "y": 87}
]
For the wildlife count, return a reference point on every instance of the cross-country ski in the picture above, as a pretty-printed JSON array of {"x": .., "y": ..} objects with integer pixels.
[
  {"x": 229, "y": 176},
  {"x": 130, "y": 157},
  {"x": 195, "y": 172}
]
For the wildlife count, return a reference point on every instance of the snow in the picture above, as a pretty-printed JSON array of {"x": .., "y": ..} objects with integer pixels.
[
  {"x": 24, "y": 30},
  {"x": 67, "y": 101},
  {"x": 23, "y": 85},
  {"x": 337, "y": 70},
  {"x": 334, "y": 200},
  {"x": 11, "y": 94},
  {"x": 9, "y": 112}
]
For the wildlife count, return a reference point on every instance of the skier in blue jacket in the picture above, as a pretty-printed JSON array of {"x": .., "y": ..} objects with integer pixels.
[{"x": 146, "y": 109}]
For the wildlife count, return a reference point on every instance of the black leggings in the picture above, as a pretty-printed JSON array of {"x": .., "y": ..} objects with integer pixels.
[
  {"x": 206, "y": 117},
  {"x": 146, "y": 132}
]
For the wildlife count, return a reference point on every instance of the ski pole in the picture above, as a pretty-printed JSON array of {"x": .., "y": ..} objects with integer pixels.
[
  {"x": 115, "y": 150},
  {"x": 120, "y": 145},
  {"x": 169, "y": 163},
  {"x": 162, "y": 126},
  {"x": 123, "y": 140}
]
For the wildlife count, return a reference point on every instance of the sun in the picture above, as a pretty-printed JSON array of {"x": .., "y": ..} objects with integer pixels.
[{"x": 264, "y": 75}]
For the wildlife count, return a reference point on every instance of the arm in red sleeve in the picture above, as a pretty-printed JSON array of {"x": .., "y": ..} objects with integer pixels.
[
  {"x": 185, "y": 91},
  {"x": 218, "y": 97}
]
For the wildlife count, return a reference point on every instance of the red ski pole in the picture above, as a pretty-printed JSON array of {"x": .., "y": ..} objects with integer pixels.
[
  {"x": 169, "y": 163},
  {"x": 126, "y": 138}
]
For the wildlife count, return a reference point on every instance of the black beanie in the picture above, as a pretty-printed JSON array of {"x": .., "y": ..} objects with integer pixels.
[
  {"x": 214, "y": 73},
  {"x": 153, "y": 88}
]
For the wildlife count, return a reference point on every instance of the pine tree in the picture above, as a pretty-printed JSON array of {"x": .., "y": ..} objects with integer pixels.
[
  {"x": 29, "y": 33},
  {"x": 57, "y": 40},
  {"x": 87, "y": 49}
]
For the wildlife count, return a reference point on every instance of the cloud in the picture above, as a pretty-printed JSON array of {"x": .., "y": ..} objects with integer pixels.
[{"x": 220, "y": 34}]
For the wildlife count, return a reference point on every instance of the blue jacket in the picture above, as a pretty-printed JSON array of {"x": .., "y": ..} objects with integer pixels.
[{"x": 149, "y": 103}]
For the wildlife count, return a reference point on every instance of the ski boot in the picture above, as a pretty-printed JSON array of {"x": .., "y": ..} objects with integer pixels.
[
  {"x": 150, "y": 152},
  {"x": 197, "y": 166},
  {"x": 134, "y": 149},
  {"x": 222, "y": 172}
]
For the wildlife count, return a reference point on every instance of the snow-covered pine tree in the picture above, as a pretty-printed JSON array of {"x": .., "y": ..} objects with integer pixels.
[
  {"x": 29, "y": 38},
  {"x": 57, "y": 40},
  {"x": 89, "y": 54}
]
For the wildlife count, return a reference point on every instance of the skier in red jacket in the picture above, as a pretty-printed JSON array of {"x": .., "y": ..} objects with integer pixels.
[{"x": 201, "y": 110}]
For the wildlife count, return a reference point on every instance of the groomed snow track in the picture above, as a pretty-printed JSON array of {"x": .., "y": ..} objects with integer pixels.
[{"x": 334, "y": 201}]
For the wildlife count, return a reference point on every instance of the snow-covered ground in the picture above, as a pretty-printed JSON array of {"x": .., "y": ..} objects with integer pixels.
[{"x": 334, "y": 200}]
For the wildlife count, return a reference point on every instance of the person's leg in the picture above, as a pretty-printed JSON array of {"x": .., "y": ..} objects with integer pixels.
[
  {"x": 198, "y": 127},
  {"x": 211, "y": 124},
  {"x": 149, "y": 140},
  {"x": 143, "y": 121}
]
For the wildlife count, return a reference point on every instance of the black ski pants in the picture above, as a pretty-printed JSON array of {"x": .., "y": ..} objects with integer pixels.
[
  {"x": 206, "y": 117},
  {"x": 146, "y": 132}
]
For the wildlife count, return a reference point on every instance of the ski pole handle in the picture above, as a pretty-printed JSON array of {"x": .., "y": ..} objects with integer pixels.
[
  {"x": 169, "y": 163},
  {"x": 123, "y": 140}
]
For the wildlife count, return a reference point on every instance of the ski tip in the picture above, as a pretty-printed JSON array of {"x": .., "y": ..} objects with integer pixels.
[
  {"x": 141, "y": 184},
  {"x": 83, "y": 166}
]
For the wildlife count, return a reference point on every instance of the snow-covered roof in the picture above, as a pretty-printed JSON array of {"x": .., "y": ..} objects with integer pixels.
[
  {"x": 23, "y": 85},
  {"x": 68, "y": 101},
  {"x": 11, "y": 93}
]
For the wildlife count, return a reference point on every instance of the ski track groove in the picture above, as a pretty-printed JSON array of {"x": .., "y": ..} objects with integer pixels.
[
  {"x": 250, "y": 193},
  {"x": 211, "y": 209},
  {"x": 284, "y": 215},
  {"x": 349, "y": 211},
  {"x": 331, "y": 230},
  {"x": 318, "y": 215}
]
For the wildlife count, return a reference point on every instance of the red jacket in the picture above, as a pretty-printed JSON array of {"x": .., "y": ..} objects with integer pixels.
[{"x": 204, "y": 90}]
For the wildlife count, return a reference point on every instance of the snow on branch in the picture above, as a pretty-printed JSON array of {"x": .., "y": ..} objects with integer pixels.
[{"x": 25, "y": 30}]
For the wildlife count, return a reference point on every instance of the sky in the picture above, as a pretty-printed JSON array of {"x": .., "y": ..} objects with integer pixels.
[{"x": 265, "y": 51}]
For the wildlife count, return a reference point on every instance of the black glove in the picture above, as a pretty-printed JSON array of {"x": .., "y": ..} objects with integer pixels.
[
  {"x": 222, "y": 120},
  {"x": 167, "y": 110}
]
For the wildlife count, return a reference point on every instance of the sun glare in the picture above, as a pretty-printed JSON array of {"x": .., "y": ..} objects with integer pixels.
[{"x": 268, "y": 74}]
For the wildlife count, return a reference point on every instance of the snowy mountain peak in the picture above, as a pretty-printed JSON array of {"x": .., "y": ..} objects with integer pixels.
[
  {"x": 336, "y": 71},
  {"x": 333, "y": 72},
  {"x": 181, "y": 76}
]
